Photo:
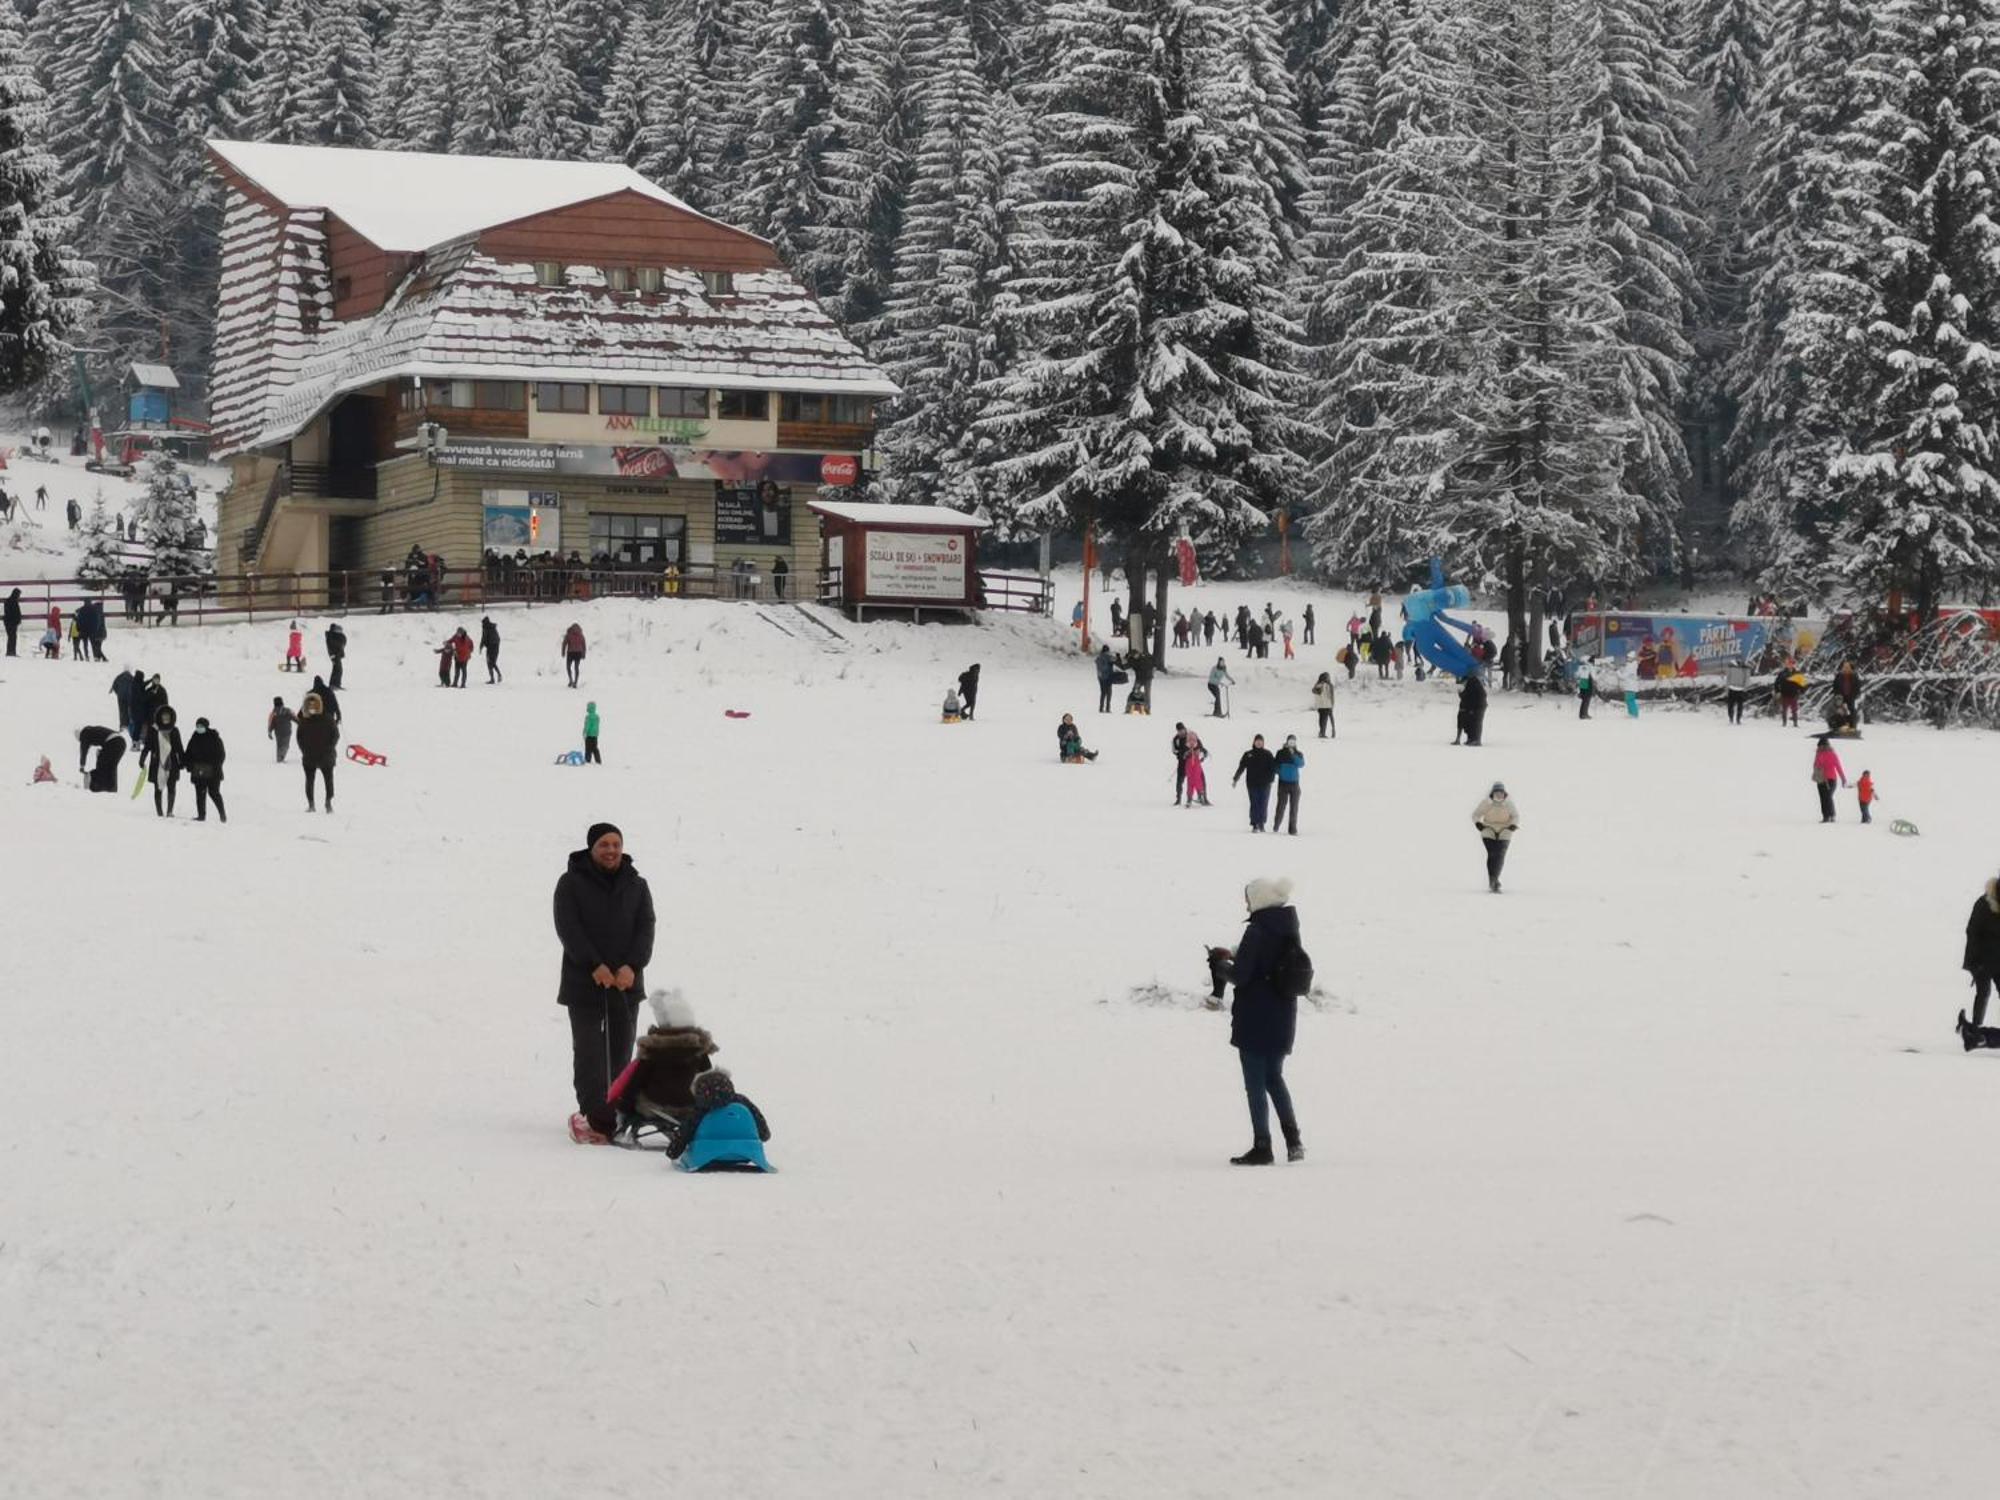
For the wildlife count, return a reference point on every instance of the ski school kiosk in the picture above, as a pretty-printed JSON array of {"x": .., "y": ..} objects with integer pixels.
[{"x": 898, "y": 557}]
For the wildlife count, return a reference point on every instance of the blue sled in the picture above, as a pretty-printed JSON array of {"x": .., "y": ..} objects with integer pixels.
[
  {"x": 1426, "y": 632},
  {"x": 726, "y": 1141}
]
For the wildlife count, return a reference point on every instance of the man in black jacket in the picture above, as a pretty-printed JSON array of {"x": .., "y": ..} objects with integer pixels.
[
  {"x": 318, "y": 734},
  {"x": 1471, "y": 709},
  {"x": 489, "y": 642},
  {"x": 1260, "y": 768},
  {"x": 604, "y": 920},
  {"x": 1982, "y": 960},
  {"x": 204, "y": 768},
  {"x": 336, "y": 650},
  {"x": 1179, "y": 746},
  {"x": 10, "y": 612}
]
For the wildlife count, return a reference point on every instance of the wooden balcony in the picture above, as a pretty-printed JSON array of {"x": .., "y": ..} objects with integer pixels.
[
  {"x": 826, "y": 437},
  {"x": 469, "y": 421}
]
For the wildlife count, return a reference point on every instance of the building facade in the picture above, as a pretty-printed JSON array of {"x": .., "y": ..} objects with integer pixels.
[{"x": 465, "y": 355}]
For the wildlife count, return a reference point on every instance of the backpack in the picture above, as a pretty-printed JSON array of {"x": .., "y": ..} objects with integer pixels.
[{"x": 1292, "y": 974}]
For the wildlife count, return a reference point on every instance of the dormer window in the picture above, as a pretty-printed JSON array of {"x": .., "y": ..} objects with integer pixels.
[
  {"x": 618, "y": 278},
  {"x": 719, "y": 283},
  {"x": 550, "y": 273},
  {"x": 647, "y": 278}
]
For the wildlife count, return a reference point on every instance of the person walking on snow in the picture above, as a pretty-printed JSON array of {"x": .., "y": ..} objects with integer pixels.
[
  {"x": 1497, "y": 820},
  {"x": 1471, "y": 709},
  {"x": 1736, "y": 680},
  {"x": 161, "y": 758},
  {"x": 319, "y": 733},
  {"x": 1982, "y": 963},
  {"x": 461, "y": 655},
  {"x": 204, "y": 766},
  {"x": 590, "y": 725},
  {"x": 1865, "y": 789},
  {"x": 1107, "y": 671},
  {"x": 1322, "y": 696},
  {"x": 1179, "y": 747},
  {"x": 968, "y": 690},
  {"x": 1826, "y": 772},
  {"x": 1197, "y": 777},
  {"x": 278, "y": 726},
  {"x": 489, "y": 643},
  {"x": 10, "y": 613},
  {"x": 605, "y": 924},
  {"x": 1586, "y": 687},
  {"x": 295, "y": 649},
  {"x": 1306, "y": 619},
  {"x": 1263, "y": 1018},
  {"x": 1218, "y": 679},
  {"x": 572, "y": 652},
  {"x": 1290, "y": 761},
  {"x": 336, "y": 652},
  {"x": 1258, "y": 769}
]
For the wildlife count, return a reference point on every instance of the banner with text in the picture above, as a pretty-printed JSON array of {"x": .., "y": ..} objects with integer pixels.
[
  {"x": 1688, "y": 646},
  {"x": 913, "y": 565}
]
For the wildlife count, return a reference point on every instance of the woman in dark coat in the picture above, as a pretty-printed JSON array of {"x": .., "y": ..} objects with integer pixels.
[
  {"x": 318, "y": 734},
  {"x": 968, "y": 689},
  {"x": 1982, "y": 962},
  {"x": 204, "y": 768},
  {"x": 1263, "y": 1017},
  {"x": 604, "y": 919},
  {"x": 1471, "y": 709},
  {"x": 162, "y": 758}
]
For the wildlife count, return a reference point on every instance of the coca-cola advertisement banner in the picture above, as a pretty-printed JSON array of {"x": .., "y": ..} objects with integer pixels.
[{"x": 736, "y": 468}]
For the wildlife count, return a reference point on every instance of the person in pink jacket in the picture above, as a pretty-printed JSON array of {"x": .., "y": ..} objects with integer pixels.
[
  {"x": 1827, "y": 771},
  {"x": 1197, "y": 775},
  {"x": 295, "y": 649}
]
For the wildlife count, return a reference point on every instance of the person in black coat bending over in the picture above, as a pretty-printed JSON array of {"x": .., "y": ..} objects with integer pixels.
[
  {"x": 1264, "y": 1016},
  {"x": 604, "y": 919},
  {"x": 1982, "y": 962}
]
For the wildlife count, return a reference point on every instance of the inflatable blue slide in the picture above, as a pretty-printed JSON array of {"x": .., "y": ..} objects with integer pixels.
[{"x": 1428, "y": 630}]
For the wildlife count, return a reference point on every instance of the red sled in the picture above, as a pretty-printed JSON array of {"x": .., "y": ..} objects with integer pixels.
[
  {"x": 735, "y": 713},
  {"x": 366, "y": 756}
]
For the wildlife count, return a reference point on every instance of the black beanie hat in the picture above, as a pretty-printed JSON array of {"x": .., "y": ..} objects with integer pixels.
[{"x": 598, "y": 830}]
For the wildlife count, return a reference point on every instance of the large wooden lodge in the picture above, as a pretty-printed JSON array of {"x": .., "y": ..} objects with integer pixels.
[{"x": 470, "y": 353}]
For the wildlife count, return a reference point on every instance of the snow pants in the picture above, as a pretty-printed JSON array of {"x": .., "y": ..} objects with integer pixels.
[
  {"x": 1736, "y": 705},
  {"x": 590, "y": 755},
  {"x": 1260, "y": 803},
  {"x": 283, "y": 740},
  {"x": 325, "y": 769},
  {"x": 1825, "y": 800},
  {"x": 1325, "y": 723},
  {"x": 492, "y": 665},
  {"x": 574, "y": 664},
  {"x": 333, "y": 679},
  {"x": 12, "y": 631},
  {"x": 1264, "y": 1086},
  {"x": 1180, "y": 777},
  {"x": 601, "y": 1032},
  {"x": 1496, "y": 859},
  {"x": 205, "y": 793},
  {"x": 1288, "y": 798}
]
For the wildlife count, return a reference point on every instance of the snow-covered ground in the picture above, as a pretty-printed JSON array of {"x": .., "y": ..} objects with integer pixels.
[
  {"x": 38, "y": 543},
  {"x": 1658, "y": 1176}
]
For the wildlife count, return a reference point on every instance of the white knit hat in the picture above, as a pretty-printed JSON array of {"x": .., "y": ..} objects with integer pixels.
[{"x": 1261, "y": 893}]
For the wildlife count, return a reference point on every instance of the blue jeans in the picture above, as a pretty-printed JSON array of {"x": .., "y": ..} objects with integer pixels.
[
  {"x": 1260, "y": 800},
  {"x": 1264, "y": 1078}
]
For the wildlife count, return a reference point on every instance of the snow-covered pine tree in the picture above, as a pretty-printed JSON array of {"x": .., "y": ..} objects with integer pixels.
[
  {"x": 1308, "y": 31},
  {"x": 549, "y": 114},
  {"x": 398, "y": 26},
  {"x": 1151, "y": 405},
  {"x": 1263, "y": 119},
  {"x": 421, "y": 113},
  {"x": 722, "y": 46},
  {"x": 1797, "y": 374},
  {"x": 481, "y": 44},
  {"x": 168, "y": 518},
  {"x": 1639, "y": 187},
  {"x": 290, "y": 69},
  {"x": 939, "y": 336},
  {"x": 341, "y": 89},
  {"x": 43, "y": 282},
  {"x": 800, "y": 68},
  {"x": 102, "y": 560},
  {"x": 1918, "y": 497},
  {"x": 868, "y": 177},
  {"x": 1388, "y": 320}
]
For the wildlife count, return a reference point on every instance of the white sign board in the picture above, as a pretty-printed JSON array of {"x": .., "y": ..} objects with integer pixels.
[{"x": 913, "y": 565}]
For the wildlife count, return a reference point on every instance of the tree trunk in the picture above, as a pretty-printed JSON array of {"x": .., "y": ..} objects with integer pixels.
[
  {"x": 1159, "y": 645},
  {"x": 1135, "y": 593},
  {"x": 1517, "y": 589}
]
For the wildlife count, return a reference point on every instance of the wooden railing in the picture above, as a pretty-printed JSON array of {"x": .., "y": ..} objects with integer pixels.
[
  {"x": 253, "y": 534},
  {"x": 1028, "y": 592}
]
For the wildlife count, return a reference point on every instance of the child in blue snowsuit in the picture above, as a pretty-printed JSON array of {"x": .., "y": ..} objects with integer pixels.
[{"x": 713, "y": 1090}]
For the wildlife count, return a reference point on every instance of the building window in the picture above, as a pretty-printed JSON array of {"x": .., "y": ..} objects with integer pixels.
[
  {"x": 809, "y": 406},
  {"x": 854, "y": 410},
  {"x": 409, "y": 396},
  {"x": 679, "y": 401},
  {"x": 625, "y": 400},
  {"x": 648, "y": 278},
  {"x": 500, "y": 395},
  {"x": 743, "y": 406},
  {"x": 550, "y": 272},
  {"x": 558, "y": 395},
  {"x": 800, "y": 406},
  {"x": 719, "y": 283},
  {"x": 637, "y": 541},
  {"x": 618, "y": 278}
]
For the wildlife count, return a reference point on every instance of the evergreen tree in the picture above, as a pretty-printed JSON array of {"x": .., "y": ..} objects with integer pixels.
[
  {"x": 1262, "y": 110},
  {"x": 102, "y": 559},
  {"x": 339, "y": 97},
  {"x": 168, "y": 519},
  {"x": 800, "y": 69},
  {"x": 869, "y": 177},
  {"x": 550, "y": 108},
  {"x": 43, "y": 283},
  {"x": 1918, "y": 500},
  {"x": 285, "y": 113},
  {"x": 481, "y": 48}
]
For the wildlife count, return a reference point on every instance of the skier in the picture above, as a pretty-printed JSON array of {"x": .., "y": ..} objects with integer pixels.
[
  {"x": 336, "y": 652},
  {"x": 278, "y": 726},
  {"x": 968, "y": 690},
  {"x": 1306, "y": 619},
  {"x": 1736, "y": 679},
  {"x": 10, "y": 613},
  {"x": 319, "y": 732},
  {"x": 1982, "y": 961},
  {"x": 604, "y": 921},
  {"x": 1197, "y": 776},
  {"x": 1263, "y": 1019},
  {"x": 1865, "y": 789},
  {"x": 1586, "y": 687},
  {"x": 1069, "y": 742},
  {"x": 1323, "y": 704},
  {"x": 162, "y": 757},
  {"x": 295, "y": 649},
  {"x": 590, "y": 724},
  {"x": 1290, "y": 762},
  {"x": 489, "y": 642},
  {"x": 1257, "y": 769},
  {"x": 1471, "y": 709},
  {"x": 1826, "y": 770},
  {"x": 1179, "y": 747},
  {"x": 1107, "y": 671},
  {"x": 461, "y": 654},
  {"x": 1218, "y": 679},
  {"x": 204, "y": 767},
  {"x": 1497, "y": 820},
  {"x": 91, "y": 737},
  {"x": 572, "y": 652}
]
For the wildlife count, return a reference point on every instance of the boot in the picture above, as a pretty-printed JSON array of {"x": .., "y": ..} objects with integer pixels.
[
  {"x": 1967, "y": 1033},
  {"x": 1295, "y": 1146},
  {"x": 1259, "y": 1154}
]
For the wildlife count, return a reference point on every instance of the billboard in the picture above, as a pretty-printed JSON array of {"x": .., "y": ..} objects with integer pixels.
[
  {"x": 517, "y": 519},
  {"x": 1664, "y": 647},
  {"x": 750, "y": 515},
  {"x": 913, "y": 565},
  {"x": 738, "y": 468}
]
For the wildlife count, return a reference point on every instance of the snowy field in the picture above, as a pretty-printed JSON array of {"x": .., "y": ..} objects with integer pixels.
[
  {"x": 1657, "y": 1176},
  {"x": 38, "y": 543}
]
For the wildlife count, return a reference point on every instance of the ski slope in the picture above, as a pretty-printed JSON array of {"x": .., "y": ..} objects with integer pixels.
[{"x": 1657, "y": 1176}]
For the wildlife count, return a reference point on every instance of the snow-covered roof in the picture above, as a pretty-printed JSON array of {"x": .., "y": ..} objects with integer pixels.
[
  {"x": 466, "y": 315},
  {"x": 157, "y": 376},
  {"x": 415, "y": 200},
  {"x": 896, "y": 515}
]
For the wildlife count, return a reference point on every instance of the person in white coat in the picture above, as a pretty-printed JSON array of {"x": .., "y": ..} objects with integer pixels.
[
  {"x": 1323, "y": 704},
  {"x": 1497, "y": 819}
]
